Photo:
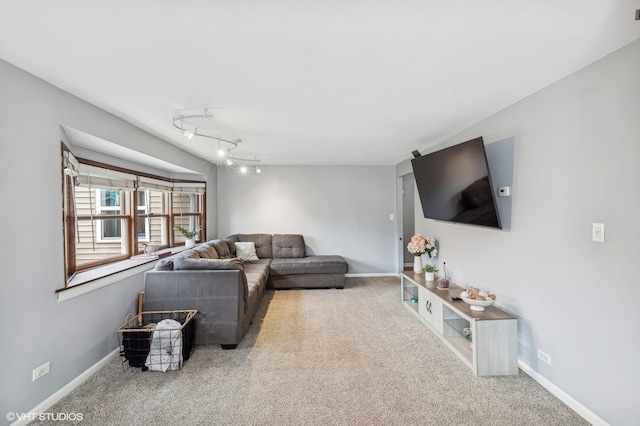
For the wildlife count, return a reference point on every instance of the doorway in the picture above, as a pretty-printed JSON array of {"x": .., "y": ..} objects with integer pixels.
[{"x": 408, "y": 218}]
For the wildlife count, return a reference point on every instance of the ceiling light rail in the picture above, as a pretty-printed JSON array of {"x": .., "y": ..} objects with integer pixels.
[
  {"x": 189, "y": 131},
  {"x": 244, "y": 165},
  {"x": 224, "y": 155}
]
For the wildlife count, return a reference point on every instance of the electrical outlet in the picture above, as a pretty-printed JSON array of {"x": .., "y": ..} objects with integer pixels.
[
  {"x": 544, "y": 357},
  {"x": 41, "y": 371}
]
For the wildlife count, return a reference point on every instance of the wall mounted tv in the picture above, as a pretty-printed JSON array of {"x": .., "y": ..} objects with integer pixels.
[{"x": 455, "y": 185}]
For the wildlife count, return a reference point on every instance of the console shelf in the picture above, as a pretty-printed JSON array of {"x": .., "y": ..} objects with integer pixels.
[{"x": 486, "y": 341}]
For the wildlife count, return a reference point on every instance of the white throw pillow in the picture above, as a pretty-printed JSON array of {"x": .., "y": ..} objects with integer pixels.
[{"x": 246, "y": 251}]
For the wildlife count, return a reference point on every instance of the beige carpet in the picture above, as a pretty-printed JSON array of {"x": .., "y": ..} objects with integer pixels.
[{"x": 320, "y": 357}]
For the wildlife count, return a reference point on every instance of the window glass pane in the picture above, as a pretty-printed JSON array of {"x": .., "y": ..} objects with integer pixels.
[
  {"x": 91, "y": 249},
  {"x": 188, "y": 222},
  {"x": 158, "y": 202},
  {"x": 110, "y": 227},
  {"x": 109, "y": 197},
  {"x": 85, "y": 201},
  {"x": 185, "y": 203},
  {"x": 157, "y": 233},
  {"x": 150, "y": 227},
  {"x": 141, "y": 226}
]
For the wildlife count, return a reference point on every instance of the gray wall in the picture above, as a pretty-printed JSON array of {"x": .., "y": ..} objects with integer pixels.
[
  {"x": 577, "y": 147},
  {"x": 76, "y": 334},
  {"x": 339, "y": 210}
]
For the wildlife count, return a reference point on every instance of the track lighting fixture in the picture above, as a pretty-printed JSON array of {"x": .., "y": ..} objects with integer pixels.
[{"x": 184, "y": 123}]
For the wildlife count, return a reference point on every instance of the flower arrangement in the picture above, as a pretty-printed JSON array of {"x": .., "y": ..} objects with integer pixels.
[{"x": 420, "y": 245}]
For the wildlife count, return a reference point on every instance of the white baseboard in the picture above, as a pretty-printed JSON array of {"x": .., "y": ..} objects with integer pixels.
[
  {"x": 65, "y": 390},
  {"x": 556, "y": 391},
  {"x": 583, "y": 411},
  {"x": 375, "y": 274}
]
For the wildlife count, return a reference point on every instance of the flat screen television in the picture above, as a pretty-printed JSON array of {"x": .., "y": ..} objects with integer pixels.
[{"x": 455, "y": 185}]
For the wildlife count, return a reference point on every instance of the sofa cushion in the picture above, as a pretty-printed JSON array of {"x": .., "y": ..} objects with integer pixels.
[
  {"x": 257, "y": 274},
  {"x": 262, "y": 242},
  {"x": 207, "y": 264},
  {"x": 231, "y": 240},
  {"x": 222, "y": 248},
  {"x": 288, "y": 245},
  {"x": 164, "y": 264},
  {"x": 206, "y": 251},
  {"x": 309, "y": 265},
  {"x": 246, "y": 251}
]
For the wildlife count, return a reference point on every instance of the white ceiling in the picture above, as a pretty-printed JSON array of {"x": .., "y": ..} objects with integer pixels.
[{"x": 331, "y": 82}]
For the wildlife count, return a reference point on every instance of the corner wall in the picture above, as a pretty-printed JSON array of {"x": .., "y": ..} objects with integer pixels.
[
  {"x": 339, "y": 210},
  {"x": 577, "y": 147}
]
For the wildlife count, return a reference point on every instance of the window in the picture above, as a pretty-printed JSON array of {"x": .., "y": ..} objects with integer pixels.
[
  {"x": 102, "y": 220},
  {"x": 110, "y": 213},
  {"x": 185, "y": 208}
]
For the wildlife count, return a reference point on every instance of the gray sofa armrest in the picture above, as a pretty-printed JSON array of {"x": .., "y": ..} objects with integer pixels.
[{"x": 220, "y": 296}]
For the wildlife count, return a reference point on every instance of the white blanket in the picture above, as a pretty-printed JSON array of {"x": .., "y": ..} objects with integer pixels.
[{"x": 165, "y": 352}]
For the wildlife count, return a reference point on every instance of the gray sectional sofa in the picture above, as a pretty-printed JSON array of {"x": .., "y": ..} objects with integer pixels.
[{"x": 225, "y": 279}]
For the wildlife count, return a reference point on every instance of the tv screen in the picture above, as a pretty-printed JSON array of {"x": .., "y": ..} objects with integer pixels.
[{"x": 455, "y": 185}]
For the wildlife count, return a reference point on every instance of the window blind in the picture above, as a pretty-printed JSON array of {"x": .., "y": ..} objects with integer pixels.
[
  {"x": 97, "y": 177},
  {"x": 189, "y": 187},
  {"x": 154, "y": 184}
]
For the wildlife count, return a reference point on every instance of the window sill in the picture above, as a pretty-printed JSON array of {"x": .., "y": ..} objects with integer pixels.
[{"x": 96, "y": 278}]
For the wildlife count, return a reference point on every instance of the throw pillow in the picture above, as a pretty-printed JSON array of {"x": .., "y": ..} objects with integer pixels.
[{"x": 246, "y": 251}]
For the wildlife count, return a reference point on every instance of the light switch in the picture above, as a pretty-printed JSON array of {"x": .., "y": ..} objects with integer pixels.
[
  {"x": 597, "y": 232},
  {"x": 392, "y": 216}
]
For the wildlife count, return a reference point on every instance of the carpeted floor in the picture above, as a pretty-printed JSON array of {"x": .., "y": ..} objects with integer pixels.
[{"x": 320, "y": 357}]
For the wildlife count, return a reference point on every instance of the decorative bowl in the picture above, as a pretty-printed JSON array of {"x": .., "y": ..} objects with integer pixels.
[{"x": 476, "y": 305}]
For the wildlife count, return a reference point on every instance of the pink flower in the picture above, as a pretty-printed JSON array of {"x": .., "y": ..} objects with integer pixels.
[{"x": 420, "y": 245}]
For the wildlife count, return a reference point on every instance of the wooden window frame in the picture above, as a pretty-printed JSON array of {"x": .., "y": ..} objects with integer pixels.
[{"x": 130, "y": 239}]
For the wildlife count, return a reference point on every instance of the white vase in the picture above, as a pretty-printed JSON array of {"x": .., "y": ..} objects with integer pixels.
[
  {"x": 429, "y": 276},
  {"x": 417, "y": 264},
  {"x": 190, "y": 242}
]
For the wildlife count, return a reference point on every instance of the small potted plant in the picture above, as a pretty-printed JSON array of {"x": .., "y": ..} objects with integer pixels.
[
  {"x": 188, "y": 235},
  {"x": 429, "y": 272}
]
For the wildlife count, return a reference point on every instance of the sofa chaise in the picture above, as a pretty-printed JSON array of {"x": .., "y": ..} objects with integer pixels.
[{"x": 224, "y": 279}]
